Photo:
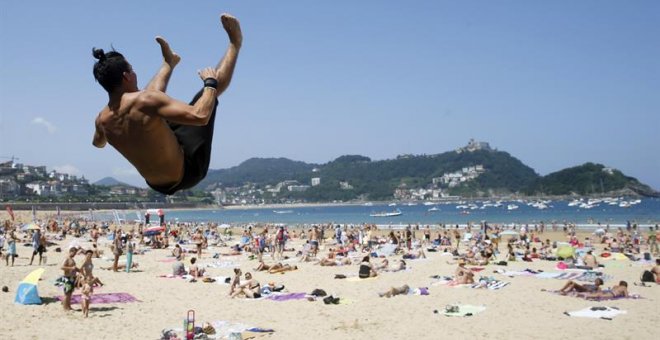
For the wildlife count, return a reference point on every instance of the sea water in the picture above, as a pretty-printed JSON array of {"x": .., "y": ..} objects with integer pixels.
[{"x": 646, "y": 213}]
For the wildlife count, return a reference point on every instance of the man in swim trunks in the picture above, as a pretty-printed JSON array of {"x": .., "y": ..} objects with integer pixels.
[
  {"x": 70, "y": 270},
  {"x": 168, "y": 141}
]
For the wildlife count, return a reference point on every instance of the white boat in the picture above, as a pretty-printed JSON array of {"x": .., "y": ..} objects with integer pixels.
[
  {"x": 574, "y": 203},
  {"x": 368, "y": 204},
  {"x": 511, "y": 207},
  {"x": 387, "y": 213},
  {"x": 392, "y": 204},
  {"x": 434, "y": 209},
  {"x": 429, "y": 203},
  {"x": 283, "y": 211}
]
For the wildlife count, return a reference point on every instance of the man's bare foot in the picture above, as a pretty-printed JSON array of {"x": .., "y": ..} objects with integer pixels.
[
  {"x": 233, "y": 28},
  {"x": 170, "y": 57}
]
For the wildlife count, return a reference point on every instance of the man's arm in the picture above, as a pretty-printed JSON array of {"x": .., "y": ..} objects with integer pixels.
[
  {"x": 159, "y": 104},
  {"x": 99, "y": 140}
]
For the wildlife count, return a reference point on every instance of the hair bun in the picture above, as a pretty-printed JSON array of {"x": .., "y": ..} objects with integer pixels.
[{"x": 98, "y": 53}]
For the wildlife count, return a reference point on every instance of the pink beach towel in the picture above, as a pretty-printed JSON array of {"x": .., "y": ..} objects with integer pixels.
[{"x": 103, "y": 298}]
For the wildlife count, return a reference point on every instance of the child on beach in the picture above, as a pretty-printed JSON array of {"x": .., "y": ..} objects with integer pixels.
[{"x": 87, "y": 291}]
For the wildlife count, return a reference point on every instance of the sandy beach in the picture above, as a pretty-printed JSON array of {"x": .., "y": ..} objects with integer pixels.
[{"x": 518, "y": 310}]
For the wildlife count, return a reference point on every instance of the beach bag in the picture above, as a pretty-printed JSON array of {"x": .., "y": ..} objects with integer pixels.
[
  {"x": 647, "y": 276},
  {"x": 647, "y": 256},
  {"x": 319, "y": 292}
]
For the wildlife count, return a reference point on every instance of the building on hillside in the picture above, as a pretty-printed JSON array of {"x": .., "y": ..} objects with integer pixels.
[
  {"x": 298, "y": 188},
  {"x": 474, "y": 146},
  {"x": 343, "y": 185},
  {"x": 316, "y": 181}
]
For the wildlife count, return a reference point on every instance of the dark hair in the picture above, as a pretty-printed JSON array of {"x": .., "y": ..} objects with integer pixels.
[
  {"x": 109, "y": 68},
  {"x": 193, "y": 260},
  {"x": 623, "y": 283}
]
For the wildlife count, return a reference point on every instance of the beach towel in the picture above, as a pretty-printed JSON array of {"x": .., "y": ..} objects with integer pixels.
[
  {"x": 465, "y": 310},
  {"x": 222, "y": 264},
  {"x": 103, "y": 298},
  {"x": 287, "y": 296},
  {"x": 581, "y": 295},
  {"x": 606, "y": 313}
]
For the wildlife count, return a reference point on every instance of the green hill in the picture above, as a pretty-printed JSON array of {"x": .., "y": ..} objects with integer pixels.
[
  {"x": 256, "y": 170},
  {"x": 110, "y": 181},
  {"x": 588, "y": 179},
  {"x": 377, "y": 180}
]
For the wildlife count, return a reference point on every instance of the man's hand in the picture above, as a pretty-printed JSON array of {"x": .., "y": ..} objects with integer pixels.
[
  {"x": 207, "y": 73},
  {"x": 170, "y": 57}
]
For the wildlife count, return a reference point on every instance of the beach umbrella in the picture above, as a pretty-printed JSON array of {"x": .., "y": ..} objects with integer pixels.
[
  {"x": 27, "y": 293},
  {"x": 509, "y": 233},
  {"x": 224, "y": 226}
]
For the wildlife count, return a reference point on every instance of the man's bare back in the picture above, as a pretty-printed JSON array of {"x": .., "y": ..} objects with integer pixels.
[
  {"x": 144, "y": 140},
  {"x": 141, "y": 124}
]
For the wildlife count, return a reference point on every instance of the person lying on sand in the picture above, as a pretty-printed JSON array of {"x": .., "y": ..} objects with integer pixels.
[
  {"x": 122, "y": 266},
  {"x": 620, "y": 290},
  {"x": 572, "y": 286},
  {"x": 413, "y": 255},
  {"x": 262, "y": 267},
  {"x": 281, "y": 268},
  {"x": 395, "y": 291},
  {"x": 383, "y": 266}
]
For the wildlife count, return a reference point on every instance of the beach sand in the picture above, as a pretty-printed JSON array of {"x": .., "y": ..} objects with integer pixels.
[{"x": 520, "y": 310}]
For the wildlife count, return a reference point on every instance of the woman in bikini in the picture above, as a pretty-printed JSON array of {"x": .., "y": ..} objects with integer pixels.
[
  {"x": 87, "y": 268},
  {"x": 618, "y": 291}
]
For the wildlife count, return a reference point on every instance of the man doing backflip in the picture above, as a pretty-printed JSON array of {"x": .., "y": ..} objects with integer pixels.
[{"x": 168, "y": 141}]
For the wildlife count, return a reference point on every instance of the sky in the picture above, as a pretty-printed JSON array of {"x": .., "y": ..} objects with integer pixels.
[{"x": 554, "y": 83}]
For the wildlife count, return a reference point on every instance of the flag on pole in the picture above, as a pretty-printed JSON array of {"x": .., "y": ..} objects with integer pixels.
[{"x": 10, "y": 211}]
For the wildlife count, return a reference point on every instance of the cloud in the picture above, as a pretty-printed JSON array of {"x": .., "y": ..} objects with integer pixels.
[
  {"x": 49, "y": 126},
  {"x": 125, "y": 172},
  {"x": 67, "y": 169}
]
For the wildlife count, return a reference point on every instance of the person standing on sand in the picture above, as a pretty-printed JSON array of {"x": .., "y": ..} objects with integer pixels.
[
  {"x": 11, "y": 247},
  {"x": 70, "y": 270},
  {"x": 168, "y": 141},
  {"x": 39, "y": 245},
  {"x": 116, "y": 249}
]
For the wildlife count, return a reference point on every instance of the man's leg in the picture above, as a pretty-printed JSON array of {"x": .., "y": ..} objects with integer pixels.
[
  {"x": 170, "y": 60},
  {"x": 196, "y": 141}
]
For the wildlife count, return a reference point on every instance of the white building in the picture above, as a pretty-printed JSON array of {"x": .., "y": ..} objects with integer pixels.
[{"x": 316, "y": 181}]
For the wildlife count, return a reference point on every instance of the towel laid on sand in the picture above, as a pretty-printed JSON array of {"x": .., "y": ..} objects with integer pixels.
[
  {"x": 597, "y": 312},
  {"x": 103, "y": 298},
  {"x": 465, "y": 310}
]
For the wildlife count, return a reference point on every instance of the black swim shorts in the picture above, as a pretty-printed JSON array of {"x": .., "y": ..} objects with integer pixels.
[{"x": 195, "y": 141}]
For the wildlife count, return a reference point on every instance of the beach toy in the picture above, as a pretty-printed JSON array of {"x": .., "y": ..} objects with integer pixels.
[{"x": 189, "y": 325}]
